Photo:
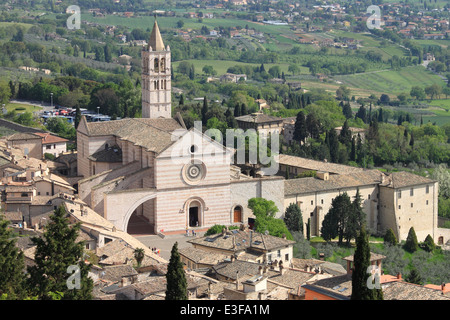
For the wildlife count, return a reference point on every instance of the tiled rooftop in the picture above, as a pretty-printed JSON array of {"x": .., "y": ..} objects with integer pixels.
[
  {"x": 309, "y": 164},
  {"x": 350, "y": 180},
  {"x": 239, "y": 240}
]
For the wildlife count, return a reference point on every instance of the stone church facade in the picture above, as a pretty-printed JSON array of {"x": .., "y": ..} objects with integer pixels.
[{"x": 155, "y": 169}]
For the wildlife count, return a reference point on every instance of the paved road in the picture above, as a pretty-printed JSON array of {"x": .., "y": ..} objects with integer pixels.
[{"x": 165, "y": 245}]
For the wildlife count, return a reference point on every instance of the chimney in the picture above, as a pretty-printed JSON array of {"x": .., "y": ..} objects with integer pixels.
[
  {"x": 443, "y": 286},
  {"x": 321, "y": 256},
  {"x": 237, "y": 280},
  {"x": 399, "y": 275}
]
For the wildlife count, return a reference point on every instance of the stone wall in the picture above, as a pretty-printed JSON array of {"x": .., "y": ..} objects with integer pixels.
[
  {"x": 268, "y": 188},
  {"x": 85, "y": 185}
]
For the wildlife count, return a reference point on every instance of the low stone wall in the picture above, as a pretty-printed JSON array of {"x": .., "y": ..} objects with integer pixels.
[{"x": 18, "y": 127}]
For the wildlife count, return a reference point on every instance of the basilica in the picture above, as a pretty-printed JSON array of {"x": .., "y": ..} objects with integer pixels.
[{"x": 153, "y": 171}]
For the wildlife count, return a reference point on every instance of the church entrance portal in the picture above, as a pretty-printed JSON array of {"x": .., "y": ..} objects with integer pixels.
[
  {"x": 194, "y": 211},
  {"x": 193, "y": 217}
]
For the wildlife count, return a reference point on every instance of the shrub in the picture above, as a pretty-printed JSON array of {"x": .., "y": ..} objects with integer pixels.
[
  {"x": 390, "y": 238},
  {"x": 411, "y": 245}
]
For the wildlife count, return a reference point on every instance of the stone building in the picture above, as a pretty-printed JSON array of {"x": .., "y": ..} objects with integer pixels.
[
  {"x": 261, "y": 122},
  {"x": 397, "y": 201},
  {"x": 155, "y": 169}
]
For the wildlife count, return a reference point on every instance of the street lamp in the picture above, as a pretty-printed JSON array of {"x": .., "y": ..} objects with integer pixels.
[{"x": 51, "y": 98}]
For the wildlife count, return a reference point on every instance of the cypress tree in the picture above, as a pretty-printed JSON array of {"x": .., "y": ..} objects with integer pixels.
[
  {"x": 353, "y": 150},
  {"x": 77, "y": 116},
  {"x": 293, "y": 218},
  {"x": 237, "y": 110},
  {"x": 176, "y": 277},
  {"x": 308, "y": 229},
  {"x": 429, "y": 243},
  {"x": 345, "y": 137},
  {"x": 244, "y": 109},
  {"x": 361, "y": 261},
  {"x": 390, "y": 238},
  {"x": 56, "y": 251},
  {"x": 347, "y": 110},
  {"x": 333, "y": 145},
  {"x": 300, "y": 128},
  {"x": 181, "y": 102},
  {"x": 411, "y": 244},
  {"x": 12, "y": 264},
  {"x": 204, "y": 111}
]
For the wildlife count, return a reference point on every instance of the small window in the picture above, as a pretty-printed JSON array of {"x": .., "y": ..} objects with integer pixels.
[
  {"x": 193, "y": 148},
  {"x": 399, "y": 194},
  {"x": 311, "y": 214},
  {"x": 286, "y": 256},
  {"x": 312, "y": 202},
  {"x": 427, "y": 189},
  {"x": 368, "y": 197},
  {"x": 411, "y": 192},
  {"x": 412, "y": 204},
  {"x": 399, "y": 206},
  {"x": 427, "y": 202},
  {"x": 278, "y": 253},
  {"x": 321, "y": 201}
]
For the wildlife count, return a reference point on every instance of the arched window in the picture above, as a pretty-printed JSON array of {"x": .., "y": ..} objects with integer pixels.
[
  {"x": 163, "y": 65},
  {"x": 156, "y": 65}
]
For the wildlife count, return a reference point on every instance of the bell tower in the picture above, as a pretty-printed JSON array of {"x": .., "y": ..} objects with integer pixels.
[{"x": 156, "y": 78}]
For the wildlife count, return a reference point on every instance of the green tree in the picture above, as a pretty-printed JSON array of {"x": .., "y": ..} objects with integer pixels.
[
  {"x": 418, "y": 93},
  {"x": 345, "y": 136},
  {"x": 12, "y": 264},
  {"x": 308, "y": 229},
  {"x": 335, "y": 221},
  {"x": 390, "y": 238},
  {"x": 293, "y": 218},
  {"x": 411, "y": 245},
  {"x": 414, "y": 277},
  {"x": 204, "y": 110},
  {"x": 355, "y": 219},
  {"x": 5, "y": 92},
  {"x": 300, "y": 132},
  {"x": 429, "y": 244},
  {"x": 56, "y": 251},
  {"x": 139, "y": 255},
  {"x": 77, "y": 117},
  {"x": 264, "y": 211},
  {"x": 360, "y": 275},
  {"x": 176, "y": 277}
]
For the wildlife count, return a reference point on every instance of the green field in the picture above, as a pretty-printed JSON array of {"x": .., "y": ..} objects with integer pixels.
[
  {"x": 441, "y": 113},
  {"x": 391, "y": 82},
  {"x": 20, "y": 108},
  {"x": 221, "y": 66}
]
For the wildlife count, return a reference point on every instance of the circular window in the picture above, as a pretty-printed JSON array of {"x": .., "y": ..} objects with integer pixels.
[{"x": 194, "y": 172}]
